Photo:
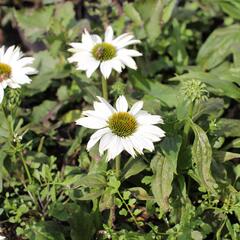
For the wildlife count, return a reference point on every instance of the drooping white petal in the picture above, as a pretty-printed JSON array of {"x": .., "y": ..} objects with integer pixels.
[
  {"x": 153, "y": 130},
  {"x": 92, "y": 65},
  {"x": 87, "y": 40},
  {"x": 109, "y": 106},
  {"x": 7, "y": 56},
  {"x": 108, "y": 34},
  {"x": 105, "y": 142},
  {"x": 96, "y": 38},
  {"x": 146, "y": 143},
  {"x": 127, "y": 145},
  {"x": 149, "y": 119},
  {"x": 128, "y": 61},
  {"x": 115, "y": 148},
  {"x": 136, "y": 144},
  {"x": 1, "y": 92},
  {"x": 129, "y": 52},
  {"x": 91, "y": 122},
  {"x": 96, "y": 137},
  {"x": 103, "y": 109},
  {"x": 116, "y": 64},
  {"x": 121, "y": 104},
  {"x": 97, "y": 114},
  {"x": 136, "y": 107},
  {"x": 106, "y": 68}
]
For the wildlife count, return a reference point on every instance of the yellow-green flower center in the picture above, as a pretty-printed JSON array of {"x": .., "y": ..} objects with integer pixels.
[
  {"x": 123, "y": 124},
  {"x": 104, "y": 51},
  {"x": 5, "y": 71}
]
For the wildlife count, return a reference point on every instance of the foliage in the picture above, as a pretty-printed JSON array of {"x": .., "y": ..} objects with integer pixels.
[{"x": 52, "y": 188}]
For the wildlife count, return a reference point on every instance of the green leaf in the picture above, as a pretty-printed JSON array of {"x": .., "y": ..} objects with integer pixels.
[
  {"x": 132, "y": 13},
  {"x": 162, "y": 180},
  {"x": 71, "y": 116},
  {"x": 171, "y": 147},
  {"x": 217, "y": 83},
  {"x": 65, "y": 13},
  {"x": 154, "y": 27},
  {"x": 45, "y": 231},
  {"x": 34, "y": 22},
  {"x": 228, "y": 127},
  {"x": 202, "y": 157},
  {"x": 224, "y": 156},
  {"x": 220, "y": 44},
  {"x": 133, "y": 167},
  {"x": 39, "y": 112}
]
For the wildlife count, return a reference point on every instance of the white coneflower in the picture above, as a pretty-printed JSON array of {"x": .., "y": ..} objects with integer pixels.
[
  {"x": 14, "y": 69},
  {"x": 120, "y": 129},
  {"x": 109, "y": 54}
]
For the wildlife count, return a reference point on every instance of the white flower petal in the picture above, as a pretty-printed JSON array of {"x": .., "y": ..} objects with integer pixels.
[
  {"x": 91, "y": 122},
  {"x": 96, "y": 137},
  {"x": 115, "y": 148},
  {"x": 128, "y": 61},
  {"x": 109, "y": 106},
  {"x": 1, "y": 92},
  {"x": 108, "y": 34},
  {"x": 146, "y": 143},
  {"x": 136, "y": 144},
  {"x": 136, "y": 107},
  {"x": 96, "y": 38},
  {"x": 129, "y": 52},
  {"x": 92, "y": 65},
  {"x": 105, "y": 142},
  {"x": 149, "y": 119},
  {"x": 121, "y": 104},
  {"x": 103, "y": 109},
  {"x": 87, "y": 40},
  {"x": 153, "y": 130},
  {"x": 127, "y": 145},
  {"x": 116, "y": 64},
  {"x": 106, "y": 68}
]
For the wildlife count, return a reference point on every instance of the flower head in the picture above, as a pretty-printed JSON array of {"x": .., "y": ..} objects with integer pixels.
[
  {"x": 119, "y": 129},
  {"x": 14, "y": 69},
  {"x": 194, "y": 90},
  {"x": 109, "y": 53}
]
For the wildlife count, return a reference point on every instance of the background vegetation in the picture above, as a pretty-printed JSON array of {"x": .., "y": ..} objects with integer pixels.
[{"x": 189, "y": 74}]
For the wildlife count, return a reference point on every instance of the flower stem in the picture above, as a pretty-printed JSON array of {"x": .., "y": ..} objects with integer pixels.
[
  {"x": 187, "y": 126},
  {"x": 118, "y": 166},
  {"x": 104, "y": 88}
]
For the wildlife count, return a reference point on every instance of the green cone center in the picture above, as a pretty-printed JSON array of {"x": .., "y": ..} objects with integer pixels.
[
  {"x": 5, "y": 71},
  {"x": 103, "y": 51},
  {"x": 123, "y": 124}
]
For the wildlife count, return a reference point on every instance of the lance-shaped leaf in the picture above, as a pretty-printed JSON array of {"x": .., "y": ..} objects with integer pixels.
[
  {"x": 202, "y": 158},
  {"x": 162, "y": 180}
]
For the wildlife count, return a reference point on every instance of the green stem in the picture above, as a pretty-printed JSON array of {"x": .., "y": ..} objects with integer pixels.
[
  {"x": 26, "y": 167},
  {"x": 187, "y": 126},
  {"x": 129, "y": 210},
  {"x": 118, "y": 166},
  {"x": 104, "y": 88}
]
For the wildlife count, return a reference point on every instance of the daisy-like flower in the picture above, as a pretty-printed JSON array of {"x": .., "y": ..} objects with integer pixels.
[
  {"x": 120, "y": 129},
  {"x": 14, "y": 69},
  {"x": 109, "y": 54}
]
